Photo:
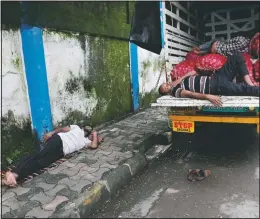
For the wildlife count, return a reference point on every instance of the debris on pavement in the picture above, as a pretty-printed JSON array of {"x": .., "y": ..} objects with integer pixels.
[{"x": 198, "y": 174}]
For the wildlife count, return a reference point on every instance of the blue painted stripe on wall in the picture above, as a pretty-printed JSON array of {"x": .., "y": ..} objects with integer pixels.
[
  {"x": 162, "y": 23},
  {"x": 36, "y": 76},
  {"x": 134, "y": 75}
]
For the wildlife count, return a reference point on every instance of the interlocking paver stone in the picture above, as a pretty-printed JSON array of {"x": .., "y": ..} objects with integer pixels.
[
  {"x": 7, "y": 195},
  {"x": 5, "y": 209},
  {"x": 69, "y": 172},
  {"x": 100, "y": 172},
  {"x": 20, "y": 190},
  {"x": 67, "y": 192},
  {"x": 57, "y": 169},
  {"x": 91, "y": 178},
  {"x": 49, "y": 178},
  {"x": 77, "y": 167},
  {"x": 109, "y": 166},
  {"x": 45, "y": 186},
  {"x": 55, "y": 190},
  {"x": 82, "y": 183},
  {"x": 13, "y": 203},
  {"x": 27, "y": 196},
  {"x": 51, "y": 206},
  {"x": 68, "y": 164},
  {"x": 42, "y": 198},
  {"x": 7, "y": 215},
  {"x": 39, "y": 212},
  {"x": 62, "y": 184},
  {"x": 21, "y": 212},
  {"x": 67, "y": 181}
]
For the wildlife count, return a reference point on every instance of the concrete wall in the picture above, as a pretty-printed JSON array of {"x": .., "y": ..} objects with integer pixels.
[
  {"x": 87, "y": 67},
  {"x": 88, "y": 77},
  {"x": 151, "y": 69},
  {"x": 16, "y": 121}
]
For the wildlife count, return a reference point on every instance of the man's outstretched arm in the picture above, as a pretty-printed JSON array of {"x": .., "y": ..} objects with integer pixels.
[{"x": 212, "y": 98}]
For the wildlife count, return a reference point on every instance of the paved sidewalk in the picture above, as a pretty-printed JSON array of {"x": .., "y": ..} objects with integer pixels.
[{"x": 72, "y": 188}]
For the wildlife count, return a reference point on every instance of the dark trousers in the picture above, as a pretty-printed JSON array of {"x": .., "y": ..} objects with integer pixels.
[
  {"x": 52, "y": 151},
  {"x": 222, "y": 81}
]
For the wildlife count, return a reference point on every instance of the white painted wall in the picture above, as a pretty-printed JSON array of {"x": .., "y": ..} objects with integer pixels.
[
  {"x": 150, "y": 78},
  {"x": 64, "y": 57},
  {"x": 14, "y": 87}
]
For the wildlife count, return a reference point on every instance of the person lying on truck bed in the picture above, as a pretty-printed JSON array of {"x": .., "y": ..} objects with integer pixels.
[
  {"x": 58, "y": 143},
  {"x": 224, "y": 47},
  {"x": 193, "y": 85}
]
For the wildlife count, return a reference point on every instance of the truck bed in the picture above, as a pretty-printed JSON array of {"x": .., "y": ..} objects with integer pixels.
[{"x": 228, "y": 101}]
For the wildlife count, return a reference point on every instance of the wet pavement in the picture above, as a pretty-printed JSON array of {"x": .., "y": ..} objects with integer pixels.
[{"x": 231, "y": 152}]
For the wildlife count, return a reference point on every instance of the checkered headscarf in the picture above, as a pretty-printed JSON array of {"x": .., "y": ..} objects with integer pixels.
[{"x": 236, "y": 44}]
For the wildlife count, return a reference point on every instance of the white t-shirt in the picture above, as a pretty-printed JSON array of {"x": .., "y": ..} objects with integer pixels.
[{"x": 73, "y": 140}]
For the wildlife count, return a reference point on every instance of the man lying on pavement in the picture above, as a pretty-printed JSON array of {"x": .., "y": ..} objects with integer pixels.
[
  {"x": 193, "y": 85},
  {"x": 57, "y": 144}
]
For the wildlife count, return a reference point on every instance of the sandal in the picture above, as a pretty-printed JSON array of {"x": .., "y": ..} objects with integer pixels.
[{"x": 198, "y": 174}]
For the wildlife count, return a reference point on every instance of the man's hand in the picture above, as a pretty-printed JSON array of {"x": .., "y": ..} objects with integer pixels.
[
  {"x": 176, "y": 82},
  {"x": 215, "y": 100},
  {"x": 47, "y": 136}
]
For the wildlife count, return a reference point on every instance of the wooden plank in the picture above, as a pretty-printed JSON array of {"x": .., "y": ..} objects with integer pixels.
[
  {"x": 181, "y": 20},
  {"x": 179, "y": 46},
  {"x": 176, "y": 52},
  {"x": 176, "y": 4},
  {"x": 175, "y": 60},
  {"x": 225, "y": 32},
  {"x": 255, "y": 17},
  {"x": 226, "y": 21},
  {"x": 180, "y": 40},
  {"x": 234, "y": 9},
  {"x": 180, "y": 32},
  {"x": 228, "y": 26},
  {"x": 213, "y": 27}
]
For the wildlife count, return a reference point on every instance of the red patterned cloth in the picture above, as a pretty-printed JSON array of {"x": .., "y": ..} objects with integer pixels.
[
  {"x": 256, "y": 73},
  {"x": 210, "y": 62},
  {"x": 191, "y": 56},
  {"x": 249, "y": 63},
  {"x": 254, "y": 45},
  {"x": 182, "y": 68}
]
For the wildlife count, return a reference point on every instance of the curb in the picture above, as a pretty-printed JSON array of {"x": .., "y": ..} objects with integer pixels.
[{"x": 115, "y": 179}]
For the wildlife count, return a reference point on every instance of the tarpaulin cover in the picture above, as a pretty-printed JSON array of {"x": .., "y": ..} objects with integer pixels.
[{"x": 146, "y": 26}]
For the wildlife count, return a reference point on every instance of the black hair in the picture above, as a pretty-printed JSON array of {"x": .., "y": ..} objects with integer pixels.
[
  {"x": 160, "y": 91},
  {"x": 87, "y": 130}
]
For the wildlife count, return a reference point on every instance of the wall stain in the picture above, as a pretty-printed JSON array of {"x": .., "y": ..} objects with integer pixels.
[{"x": 17, "y": 138}]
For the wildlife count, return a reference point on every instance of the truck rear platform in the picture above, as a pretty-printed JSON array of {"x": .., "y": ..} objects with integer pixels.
[{"x": 184, "y": 112}]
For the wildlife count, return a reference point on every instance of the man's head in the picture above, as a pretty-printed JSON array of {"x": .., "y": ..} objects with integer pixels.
[
  {"x": 87, "y": 130},
  {"x": 165, "y": 89}
]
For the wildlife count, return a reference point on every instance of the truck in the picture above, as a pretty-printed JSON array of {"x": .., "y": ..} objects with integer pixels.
[{"x": 185, "y": 25}]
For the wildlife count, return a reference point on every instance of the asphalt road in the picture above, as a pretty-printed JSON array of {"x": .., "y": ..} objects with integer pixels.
[{"x": 231, "y": 152}]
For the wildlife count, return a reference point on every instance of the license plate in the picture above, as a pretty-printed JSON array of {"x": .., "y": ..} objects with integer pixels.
[
  {"x": 183, "y": 126},
  {"x": 225, "y": 109}
]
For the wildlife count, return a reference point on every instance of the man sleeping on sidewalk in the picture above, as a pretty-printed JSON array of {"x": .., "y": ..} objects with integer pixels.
[
  {"x": 193, "y": 85},
  {"x": 57, "y": 144}
]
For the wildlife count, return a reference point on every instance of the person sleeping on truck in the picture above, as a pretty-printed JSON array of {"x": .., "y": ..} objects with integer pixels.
[
  {"x": 224, "y": 47},
  {"x": 195, "y": 85}
]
